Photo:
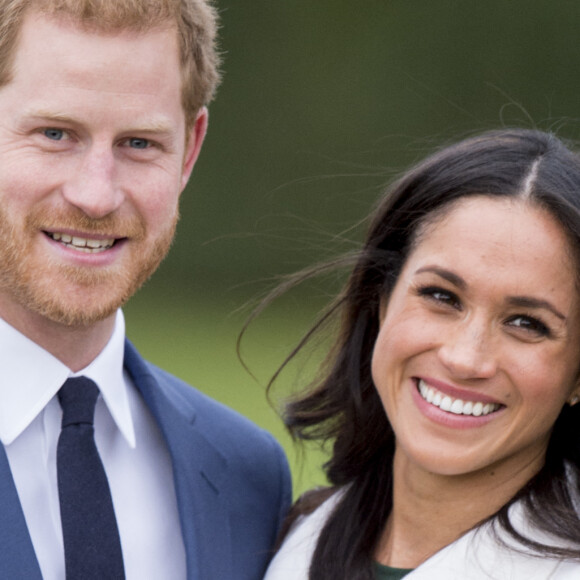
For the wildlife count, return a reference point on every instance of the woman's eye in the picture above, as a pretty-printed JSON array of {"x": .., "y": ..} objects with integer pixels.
[
  {"x": 54, "y": 134},
  {"x": 530, "y": 324},
  {"x": 440, "y": 296}
]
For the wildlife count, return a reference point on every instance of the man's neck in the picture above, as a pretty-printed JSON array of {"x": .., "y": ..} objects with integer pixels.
[{"x": 74, "y": 346}]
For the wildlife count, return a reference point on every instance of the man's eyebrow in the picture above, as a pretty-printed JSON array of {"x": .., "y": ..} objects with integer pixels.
[
  {"x": 521, "y": 301},
  {"x": 46, "y": 115},
  {"x": 155, "y": 126}
]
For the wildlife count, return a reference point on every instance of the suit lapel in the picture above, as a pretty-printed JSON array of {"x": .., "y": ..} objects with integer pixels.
[
  {"x": 198, "y": 470},
  {"x": 17, "y": 557}
]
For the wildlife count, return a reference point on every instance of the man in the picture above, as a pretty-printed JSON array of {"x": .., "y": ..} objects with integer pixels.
[{"x": 102, "y": 117}]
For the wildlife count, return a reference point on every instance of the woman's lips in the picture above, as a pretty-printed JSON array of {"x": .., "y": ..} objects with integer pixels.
[{"x": 454, "y": 401}]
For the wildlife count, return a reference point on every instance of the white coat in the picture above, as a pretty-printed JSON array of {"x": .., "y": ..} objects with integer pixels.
[{"x": 477, "y": 555}]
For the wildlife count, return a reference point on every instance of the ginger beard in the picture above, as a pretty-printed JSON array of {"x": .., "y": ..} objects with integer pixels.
[{"x": 70, "y": 295}]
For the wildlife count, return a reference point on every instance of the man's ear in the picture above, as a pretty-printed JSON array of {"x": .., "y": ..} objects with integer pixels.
[{"x": 194, "y": 143}]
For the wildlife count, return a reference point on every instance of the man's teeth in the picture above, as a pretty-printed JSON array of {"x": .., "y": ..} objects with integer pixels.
[
  {"x": 83, "y": 244},
  {"x": 456, "y": 406}
]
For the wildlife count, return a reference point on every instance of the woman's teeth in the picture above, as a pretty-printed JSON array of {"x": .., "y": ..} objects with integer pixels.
[{"x": 456, "y": 406}]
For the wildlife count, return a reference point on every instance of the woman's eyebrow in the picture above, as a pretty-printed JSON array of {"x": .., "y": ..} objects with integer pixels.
[
  {"x": 445, "y": 274},
  {"x": 521, "y": 301},
  {"x": 529, "y": 302}
]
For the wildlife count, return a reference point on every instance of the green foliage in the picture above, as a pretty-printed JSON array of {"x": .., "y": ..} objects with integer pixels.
[
  {"x": 195, "y": 339},
  {"x": 323, "y": 101}
]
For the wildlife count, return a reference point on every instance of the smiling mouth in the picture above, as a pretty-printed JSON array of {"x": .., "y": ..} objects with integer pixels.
[
  {"x": 87, "y": 245},
  {"x": 455, "y": 406}
]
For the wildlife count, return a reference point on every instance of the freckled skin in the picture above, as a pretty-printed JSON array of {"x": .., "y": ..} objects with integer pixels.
[
  {"x": 479, "y": 340},
  {"x": 92, "y": 141}
]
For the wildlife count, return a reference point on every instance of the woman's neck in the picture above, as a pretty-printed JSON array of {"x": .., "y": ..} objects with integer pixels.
[{"x": 430, "y": 511}]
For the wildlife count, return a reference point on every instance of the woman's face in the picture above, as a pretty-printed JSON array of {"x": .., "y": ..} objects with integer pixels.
[{"x": 479, "y": 344}]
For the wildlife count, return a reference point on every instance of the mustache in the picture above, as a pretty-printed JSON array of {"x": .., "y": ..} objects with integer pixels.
[{"x": 113, "y": 225}]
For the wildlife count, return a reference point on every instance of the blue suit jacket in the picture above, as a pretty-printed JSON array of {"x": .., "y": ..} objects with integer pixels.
[{"x": 231, "y": 479}]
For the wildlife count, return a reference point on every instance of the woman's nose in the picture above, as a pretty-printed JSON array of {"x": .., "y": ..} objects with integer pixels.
[{"x": 468, "y": 352}]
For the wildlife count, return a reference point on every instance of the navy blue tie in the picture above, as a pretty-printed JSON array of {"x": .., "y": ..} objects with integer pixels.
[{"x": 92, "y": 548}]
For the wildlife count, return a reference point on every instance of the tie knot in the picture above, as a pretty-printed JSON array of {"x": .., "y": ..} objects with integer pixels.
[{"x": 78, "y": 397}]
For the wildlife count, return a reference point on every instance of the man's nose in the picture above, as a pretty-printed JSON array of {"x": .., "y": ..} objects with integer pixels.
[{"x": 94, "y": 187}]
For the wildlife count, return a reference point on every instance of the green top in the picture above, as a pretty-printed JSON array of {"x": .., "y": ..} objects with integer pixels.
[{"x": 388, "y": 573}]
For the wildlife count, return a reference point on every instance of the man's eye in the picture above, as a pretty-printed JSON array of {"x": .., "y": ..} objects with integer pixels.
[
  {"x": 137, "y": 143},
  {"x": 54, "y": 134}
]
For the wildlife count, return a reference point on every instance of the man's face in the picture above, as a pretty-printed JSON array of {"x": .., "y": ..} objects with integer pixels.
[{"x": 93, "y": 158}]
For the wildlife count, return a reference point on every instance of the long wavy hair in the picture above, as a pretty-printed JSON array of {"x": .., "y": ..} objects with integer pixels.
[{"x": 343, "y": 408}]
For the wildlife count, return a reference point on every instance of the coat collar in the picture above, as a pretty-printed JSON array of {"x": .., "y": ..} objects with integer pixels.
[{"x": 198, "y": 468}]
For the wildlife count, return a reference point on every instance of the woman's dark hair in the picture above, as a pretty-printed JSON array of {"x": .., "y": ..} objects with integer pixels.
[{"x": 343, "y": 406}]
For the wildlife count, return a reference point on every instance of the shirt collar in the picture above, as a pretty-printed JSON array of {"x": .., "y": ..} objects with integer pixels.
[{"x": 31, "y": 376}]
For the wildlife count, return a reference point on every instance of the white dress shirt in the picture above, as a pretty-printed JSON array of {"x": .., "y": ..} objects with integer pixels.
[{"x": 132, "y": 449}]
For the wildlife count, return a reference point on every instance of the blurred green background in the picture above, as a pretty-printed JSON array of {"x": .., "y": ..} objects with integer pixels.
[{"x": 322, "y": 103}]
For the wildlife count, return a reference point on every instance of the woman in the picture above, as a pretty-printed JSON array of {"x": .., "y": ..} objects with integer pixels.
[{"x": 450, "y": 393}]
